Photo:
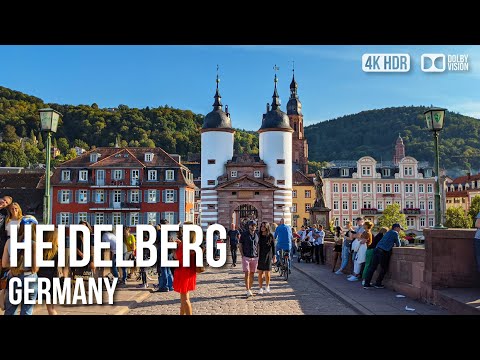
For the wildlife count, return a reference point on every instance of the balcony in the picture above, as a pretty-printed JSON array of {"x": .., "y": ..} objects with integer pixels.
[
  {"x": 411, "y": 211},
  {"x": 116, "y": 206},
  {"x": 369, "y": 211},
  {"x": 388, "y": 195},
  {"x": 117, "y": 183}
]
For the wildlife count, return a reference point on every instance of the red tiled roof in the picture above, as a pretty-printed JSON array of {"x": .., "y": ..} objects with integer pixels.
[
  {"x": 457, "y": 193},
  {"x": 465, "y": 179},
  {"x": 21, "y": 181},
  {"x": 299, "y": 178}
]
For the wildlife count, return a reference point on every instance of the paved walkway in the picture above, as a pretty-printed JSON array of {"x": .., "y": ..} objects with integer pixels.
[{"x": 368, "y": 302}]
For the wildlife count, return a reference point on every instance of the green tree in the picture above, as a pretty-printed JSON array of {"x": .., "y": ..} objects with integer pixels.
[
  {"x": 313, "y": 166},
  {"x": 40, "y": 142},
  {"x": 63, "y": 145},
  {"x": 33, "y": 138},
  {"x": 54, "y": 142},
  {"x": 94, "y": 106},
  {"x": 474, "y": 209},
  {"x": 12, "y": 154},
  {"x": 392, "y": 215},
  {"x": 9, "y": 134},
  {"x": 457, "y": 218}
]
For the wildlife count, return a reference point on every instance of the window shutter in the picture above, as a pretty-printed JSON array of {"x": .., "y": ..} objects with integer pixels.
[
  {"x": 122, "y": 196},
  {"x": 175, "y": 195},
  {"x": 139, "y": 196},
  {"x": 88, "y": 196},
  {"x": 164, "y": 196},
  {"x": 59, "y": 196},
  {"x": 157, "y": 218},
  {"x": 145, "y": 193},
  {"x": 145, "y": 218},
  {"x": 129, "y": 196},
  {"x": 175, "y": 218},
  {"x": 70, "y": 196},
  {"x": 58, "y": 219},
  {"x": 70, "y": 218},
  {"x": 108, "y": 218},
  {"x": 77, "y": 196},
  {"x": 157, "y": 196},
  {"x": 75, "y": 218}
]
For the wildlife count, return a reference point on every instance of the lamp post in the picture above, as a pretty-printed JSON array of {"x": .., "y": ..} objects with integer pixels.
[
  {"x": 435, "y": 118},
  {"x": 49, "y": 122}
]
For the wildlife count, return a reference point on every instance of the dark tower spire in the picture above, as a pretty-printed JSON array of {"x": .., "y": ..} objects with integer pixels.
[
  {"x": 293, "y": 84},
  {"x": 275, "y": 97},
  {"x": 218, "y": 98}
]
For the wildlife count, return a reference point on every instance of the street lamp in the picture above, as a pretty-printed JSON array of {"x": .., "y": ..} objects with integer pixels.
[
  {"x": 435, "y": 118},
  {"x": 49, "y": 122}
]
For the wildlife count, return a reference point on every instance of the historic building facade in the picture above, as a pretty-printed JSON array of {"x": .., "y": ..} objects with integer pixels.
[
  {"x": 234, "y": 187},
  {"x": 366, "y": 187},
  {"x": 303, "y": 198},
  {"x": 462, "y": 190},
  {"x": 127, "y": 186}
]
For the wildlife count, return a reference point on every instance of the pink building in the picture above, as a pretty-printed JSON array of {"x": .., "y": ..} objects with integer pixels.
[{"x": 366, "y": 187}]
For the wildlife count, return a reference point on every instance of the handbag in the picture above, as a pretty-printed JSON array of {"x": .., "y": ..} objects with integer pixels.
[
  {"x": 3, "y": 298},
  {"x": 200, "y": 269}
]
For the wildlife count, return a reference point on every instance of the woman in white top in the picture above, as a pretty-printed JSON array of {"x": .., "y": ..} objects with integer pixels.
[{"x": 13, "y": 218}]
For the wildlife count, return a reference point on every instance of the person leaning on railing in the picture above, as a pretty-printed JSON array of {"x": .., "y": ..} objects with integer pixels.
[{"x": 477, "y": 241}]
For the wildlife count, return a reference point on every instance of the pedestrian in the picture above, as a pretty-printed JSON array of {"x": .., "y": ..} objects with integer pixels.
[
  {"x": 88, "y": 270},
  {"x": 165, "y": 274},
  {"x": 477, "y": 241},
  {"x": 185, "y": 277},
  {"x": 360, "y": 246},
  {"x": 319, "y": 236},
  {"x": 4, "y": 203},
  {"x": 233, "y": 235},
  {"x": 371, "y": 247},
  {"x": 283, "y": 234},
  {"x": 381, "y": 256},
  {"x": 266, "y": 255},
  {"x": 13, "y": 218},
  {"x": 50, "y": 272},
  {"x": 346, "y": 248},
  {"x": 249, "y": 251},
  {"x": 109, "y": 237},
  {"x": 131, "y": 244},
  {"x": 338, "y": 248},
  {"x": 143, "y": 273},
  {"x": 21, "y": 271}
]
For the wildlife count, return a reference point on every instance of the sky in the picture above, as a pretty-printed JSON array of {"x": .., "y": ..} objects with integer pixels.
[{"x": 331, "y": 82}]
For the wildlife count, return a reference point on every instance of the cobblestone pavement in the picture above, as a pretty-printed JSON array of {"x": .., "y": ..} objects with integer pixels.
[{"x": 222, "y": 291}]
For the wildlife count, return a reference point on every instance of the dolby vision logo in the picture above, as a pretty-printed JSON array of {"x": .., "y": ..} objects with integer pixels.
[{"x": 433, "y": 62}]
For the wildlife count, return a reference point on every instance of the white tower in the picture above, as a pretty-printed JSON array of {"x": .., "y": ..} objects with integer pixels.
[
  {"x": 276, "y": 151},
  {"x": 217, "y": 149}
]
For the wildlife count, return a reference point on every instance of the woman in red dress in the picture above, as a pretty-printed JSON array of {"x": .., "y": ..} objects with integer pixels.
[{"x": 185, "y": 278}]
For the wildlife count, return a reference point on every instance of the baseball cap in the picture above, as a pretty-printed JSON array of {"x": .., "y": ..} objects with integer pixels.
[
  {"x": 397, "y": 225},
  {"x": 28, "y": 220},
  {"x": 252, "y": 222}
]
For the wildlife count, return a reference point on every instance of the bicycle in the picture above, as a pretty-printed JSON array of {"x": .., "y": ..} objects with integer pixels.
[{"x": 283, "y": 265}]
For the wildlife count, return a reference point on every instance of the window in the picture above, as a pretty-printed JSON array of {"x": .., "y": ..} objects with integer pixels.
[
  {"x": 430, "y": 188},
  {"x": 135, "y": 178},
  {"x": 337, "y": 222},
  {"x": 148, "y": 157},
  {"x": 197, "y": 193},
  {"x": 294, "y": 208},
  {"x": 410, "y": 222},
  {"x": 380, "y": 205},
  {"x": 99, "y": 219},
  {"x": 386, "y": 172},
  {"x": 152, "y": 196},
  {"x": 64, "y": 219},
  {"x": 116, "y": 219},
  {"x": 152, "y": 175},
  {"x": 82, "y": 216},
  {"x": 421, "y": 188},
  {"x": 169, "y": 175},
  {"x": 99, "y": 196},
  {"x": 345, "y": 172},
  {"x": 307, "y": 207},
  {"x": 398, "y": 202},
  {"x": 308, "y": 193},
  {"x": 367, "y": 188},
  {"x": 211, "y": 182},
  {"x": 117, "y": 174},
  {"x": 134, "y": 219},
  {"x": 396, "y": 188},
  {"x": 409, "y": 188},
  {"x": 344, "y": 188},
  {"x": 430, "y": 222},
  {"x": 335, "y": 188},
  {"x": 94, "y": 157},
  {"x": 65, "y": 196},
  {"x": 345, "y": 220},
  {"x": 135, "y": 196},
  {"x": 354, "y": 188},
  {"x": 82, "y": 196},
  {"x": 65, "y": 175},
  {"x": 233, "y": 173},
  {"x": 257, "y": 192},
  {"x": 354, "y": 205},
  {"x": 430, "y": 205},
  {"x": 388, "y": 188},
  {"x": 379, "y": 188},
  {"x": 408, "y": 171},
  {"x": 280, "y": 161},
  {"x": 211, "y": 161},
  {"x": 422, "y": 222},
  {"x": 117, "y": 196},
  {"x": 428, "y": 173},
  {"x": 409, "y": 204},
  {"x": 170, "y": 217},
  {"x": 367, "y": 204},
  {"x": 366, "y": 170},
  {"x": 344, "y": 205},
  {"x": 152, "y": 218},
  {"x": 256, "y": 173},
  {"x": 335, "y": 205},
  {"x": 280, "y": 182},
  {"x": 294, "y": 193},
  {"x": 169, "y": 196},
  {"x": 388, "y": 202},
  {"x": 83, "y": 175}
]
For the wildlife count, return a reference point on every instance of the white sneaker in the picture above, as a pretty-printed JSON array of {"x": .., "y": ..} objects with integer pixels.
[
  {"x": 338, "y": 272},
  {"x": 260, "y": 291},
  {"x": 354, "y": 278},
  {"x": 249, "y": 293},
  {"x": 267, "y": 289},
  {"x": 363, "y": 282}
]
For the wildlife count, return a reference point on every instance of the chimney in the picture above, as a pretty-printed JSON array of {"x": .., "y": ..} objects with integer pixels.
[{"x": 268, "y": 107}]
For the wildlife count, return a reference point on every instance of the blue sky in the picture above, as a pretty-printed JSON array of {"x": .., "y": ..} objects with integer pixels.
[{"x": 331, "y": 80}]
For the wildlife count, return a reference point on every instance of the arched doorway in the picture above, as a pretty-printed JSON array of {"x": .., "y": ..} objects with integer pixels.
[{"x": 242, "y": 212}]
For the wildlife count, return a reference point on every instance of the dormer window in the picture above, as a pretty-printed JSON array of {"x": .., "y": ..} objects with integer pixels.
[
  {"x": 83, "y": 175},
  {"x": 256, "y": 173},
  {"x": 345, "y": 172},
  {"x": 366, "y": 171},
  {"x": 94, "y": 157},
  {"x": 233, "y": 174},
  {"x": 148, "y": 157},
  {"x": 386, "y": 172},
  {"x": 65, "y": 175},
  {"x": 408, "y": 171},
  {"x": 169, "y": 175},
  {"x": 428, "y": 173}
]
